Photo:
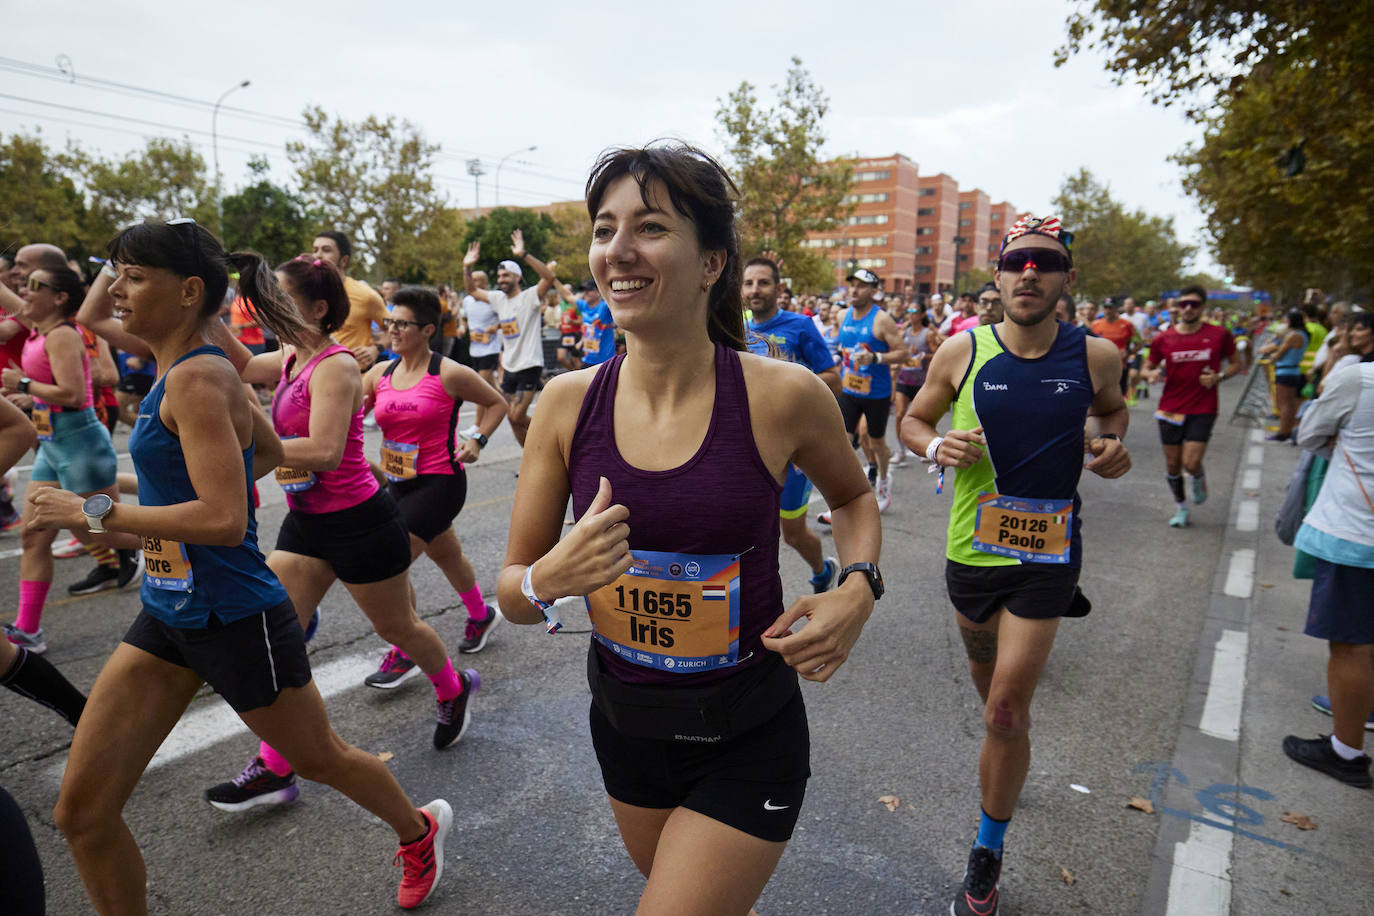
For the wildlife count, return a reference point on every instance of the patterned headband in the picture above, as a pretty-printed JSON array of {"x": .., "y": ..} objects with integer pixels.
[{"x": 1048, "y": 226}]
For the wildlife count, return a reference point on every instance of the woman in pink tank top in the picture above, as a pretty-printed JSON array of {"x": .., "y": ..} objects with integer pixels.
[
  {"x": 415, "y": 399},
  {"x": 342, "y": 524}
]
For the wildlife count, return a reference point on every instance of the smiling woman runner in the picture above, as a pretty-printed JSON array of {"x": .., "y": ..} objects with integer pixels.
[
  {"x": 342, "y": 524},
  {"x": 677, "y": 546},
  {"x": 212, "y": 609},
  {"x": 417, "y": 396}
]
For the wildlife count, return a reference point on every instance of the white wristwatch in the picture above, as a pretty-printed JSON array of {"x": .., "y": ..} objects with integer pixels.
[{"x": 95, "y": 508}]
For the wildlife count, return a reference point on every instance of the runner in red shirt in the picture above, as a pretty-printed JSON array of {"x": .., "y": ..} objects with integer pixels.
[
  {"x": 1192, "y": 352},
  {"x": 1119, "y": 331}
]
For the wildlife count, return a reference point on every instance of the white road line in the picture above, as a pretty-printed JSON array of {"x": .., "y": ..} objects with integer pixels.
[
  {"x": 1226, "y": 689},
  {"x": 1250, "y": 479},
  {"x": 13, "y": 552},
  {"x": 1240, "y": 577},
  {"x": 1201, "y": 881},
  {"x": 1256, "y": 435},
  {"x": 1255, "y": 455},
  {"x": 1247, "y": 517}
]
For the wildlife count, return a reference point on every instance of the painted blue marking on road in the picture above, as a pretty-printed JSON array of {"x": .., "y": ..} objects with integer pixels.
[{"x": 1212, "y": 799}]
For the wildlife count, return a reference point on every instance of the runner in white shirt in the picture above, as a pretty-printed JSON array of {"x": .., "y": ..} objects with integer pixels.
[
  {"x": 521, "y": 321},
  {"x": 484, "y": 342}
]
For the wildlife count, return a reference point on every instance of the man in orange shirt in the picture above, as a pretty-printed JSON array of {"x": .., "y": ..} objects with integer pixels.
[
  {"x": 1118, "y": 330},
  {"x": 365, "y": 307}
]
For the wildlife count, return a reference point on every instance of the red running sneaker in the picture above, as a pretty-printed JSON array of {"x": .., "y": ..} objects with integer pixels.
[{"x": 424, "y": 859}]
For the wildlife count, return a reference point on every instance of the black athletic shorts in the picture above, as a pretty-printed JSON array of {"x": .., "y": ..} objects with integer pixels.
[
  {"x": 487, "y": 363},
  {"x": 430, "y": 502},
  {"x": 248, "y": 662},
  {"x": 569, "y": 341},
  {"x": 524, "y": 380},
  {"x": 1196, "y": 427},
  {"x": 908, "y": 391},
  {"x": 365, "y": 543},
  {"x": 875, "y": 409},
  {"x": 1034, "y": 591},
  {"x": 754, "y": 782},
  {"x": 1295, "y": 382},
  {"x": 135, "y": 383}
]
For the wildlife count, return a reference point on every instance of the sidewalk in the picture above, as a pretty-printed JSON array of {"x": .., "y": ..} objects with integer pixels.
[{"x": 1223, "y": 846}]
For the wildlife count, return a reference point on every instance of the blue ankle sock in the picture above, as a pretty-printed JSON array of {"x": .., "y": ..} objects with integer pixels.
[{"x": 990, "y": 832}]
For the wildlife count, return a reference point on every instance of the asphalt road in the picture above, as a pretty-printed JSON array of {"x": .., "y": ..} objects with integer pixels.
[{"x": 533, "y": 833}]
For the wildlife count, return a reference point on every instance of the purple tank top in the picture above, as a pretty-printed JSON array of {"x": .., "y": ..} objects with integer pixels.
[
  {"x": 317, "y": 492},
  {"x": 705, "y": 537}
]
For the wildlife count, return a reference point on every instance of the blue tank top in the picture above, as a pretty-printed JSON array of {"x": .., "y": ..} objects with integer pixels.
[
  {"x": 705, "y": 538},
  {"x": 185, "y": 583},
  {"x": 1290, "y": 363},
  {"x": 856, "y": 336}
]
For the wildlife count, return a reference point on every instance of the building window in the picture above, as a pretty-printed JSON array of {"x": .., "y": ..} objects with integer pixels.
[
  {"x": 877, "y": 198},
  {"x": 868, "y": 219},
  {"x": 880, "y": 175},
  {"x": 872, "y": 241},
  {"x": 922, "y": 269},
  {"x": 925, "y": 211},
  {"x": 925, "y": 230},
  {"x": 964, "y": 222},
  {"x": 963, "y": 257},
  {"x": 996, "y": 217},
  {"x": 925, "y": 192},
  {"x": 924, "y": 249},
  {"x": 965, "y": 204},
  {"x": 871, "y": 263}
]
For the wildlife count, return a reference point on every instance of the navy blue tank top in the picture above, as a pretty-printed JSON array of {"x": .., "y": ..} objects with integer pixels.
[
  {"x": 705, "y": 538},
  {"x": 185, "y": 583}
]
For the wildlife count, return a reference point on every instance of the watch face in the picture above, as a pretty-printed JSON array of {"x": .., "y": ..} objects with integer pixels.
[{"x": 97, "y": 506}]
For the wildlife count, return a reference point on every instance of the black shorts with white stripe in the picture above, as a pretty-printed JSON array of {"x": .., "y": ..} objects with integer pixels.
[{"x": 248, "y": 661}]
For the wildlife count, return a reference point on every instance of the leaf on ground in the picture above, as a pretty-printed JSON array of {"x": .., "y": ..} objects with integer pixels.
[
  {"x": 1284, "y": 629},
  {"x": 384, "y": 756},
  {"x": 1066, "y": 876},
  {"x": 1141, "y": 804},
  {"x": 892, "y": 802},
  {"x": 1266, "y": 585},
  {"x": 1301, "y": 821}
]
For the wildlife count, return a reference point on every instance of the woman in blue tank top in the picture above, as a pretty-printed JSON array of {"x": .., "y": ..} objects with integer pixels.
[
  {"x": 212, "y": 610},
  {"x": 674, "y": 456}
]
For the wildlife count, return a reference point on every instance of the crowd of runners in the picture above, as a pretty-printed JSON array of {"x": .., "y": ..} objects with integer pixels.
[{"x": 688, "y": 446}]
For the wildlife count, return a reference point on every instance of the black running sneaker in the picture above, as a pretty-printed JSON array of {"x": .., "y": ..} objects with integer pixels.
[
  {"x": 130, "y": 567},
  {"x": 477, "y": 631},
  {"x": 1318, "y": 754},
  {"x": 873, "y": 476},
  {"x": 978, "y": 896},
  {"x": 256, "y": 785},
  {"x": 396, "y": 668},
  {"x": 454, "y": 715},
  {"x": 97, "y": 580}
]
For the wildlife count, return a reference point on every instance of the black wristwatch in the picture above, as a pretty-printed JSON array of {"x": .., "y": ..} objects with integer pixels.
[
  {"x": 480, "y": 440},
  {"x": 1108, "y": 436},
  {"x": 870, "y": 570},
  {"x": 23, "y": 386}
]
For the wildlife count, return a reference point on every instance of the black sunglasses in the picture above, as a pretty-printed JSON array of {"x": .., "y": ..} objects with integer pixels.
[
  {"x": 1042, "y": 260},
  {"x": 1189, "y": 304}
]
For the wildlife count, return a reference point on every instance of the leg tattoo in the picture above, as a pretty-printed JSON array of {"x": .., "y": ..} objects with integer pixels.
[{"x": 981, "y": 645}]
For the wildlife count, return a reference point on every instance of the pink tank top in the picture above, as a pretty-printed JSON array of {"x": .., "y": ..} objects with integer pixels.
[
  {"x": 418, "y": 424},
  {"x": 317, "y": 492},
  {"x": 37, "y": 367}
]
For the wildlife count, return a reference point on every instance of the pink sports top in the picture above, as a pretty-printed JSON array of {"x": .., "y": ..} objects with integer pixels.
[
  {"x": 37, "y": 367},
  {"x": 318, "y": 492},
  {"x": 418, "y": 424}
]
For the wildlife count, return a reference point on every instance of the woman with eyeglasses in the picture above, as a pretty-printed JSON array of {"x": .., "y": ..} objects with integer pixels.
[
  {"x": 74, "y": 449},
  {"x": 212, "y": 609},
  {"x": 341, "y": 525},
  {"x": 415, "y": 400}
]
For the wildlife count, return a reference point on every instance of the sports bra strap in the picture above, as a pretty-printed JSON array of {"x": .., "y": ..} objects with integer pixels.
[
  {"x": 435, "y": 361},
  {"x": 391, "y": 367}
]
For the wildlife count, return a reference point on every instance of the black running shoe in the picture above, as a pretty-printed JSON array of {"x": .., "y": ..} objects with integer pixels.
[
  {"x": 396, "y": 668},
  {"x": 978, "y": 895},
  {"x": 1318, "y": 754},
  {"x": 454, "y": 715},
  {"x": 256, "y": 785},
  {"x": 97, "y": 580},
  {"x": 873, "y": 476},
  {"x": 130, "y": 567},
  {"x": 478, "y": 631}
]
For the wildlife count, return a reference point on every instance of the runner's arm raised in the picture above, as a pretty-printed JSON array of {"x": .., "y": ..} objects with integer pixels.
[{"x": 469, "y": 283}]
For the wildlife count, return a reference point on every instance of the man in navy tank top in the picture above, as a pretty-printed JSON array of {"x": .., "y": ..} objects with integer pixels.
[{"x": 1021, "y": 391}]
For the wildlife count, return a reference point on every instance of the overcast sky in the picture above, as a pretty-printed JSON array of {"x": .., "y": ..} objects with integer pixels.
[{"x": 966, "y": 88}]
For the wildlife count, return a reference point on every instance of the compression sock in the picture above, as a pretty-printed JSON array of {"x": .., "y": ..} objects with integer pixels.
[
  {"x": 990, "y": 832},
  {"x": 272, "y": 760},
  {"x": 105, "y": 556},
  {"x": 446, "y": 682},
  {"x": 35, "y": 677},
  {"x": 472, "y": 600},
  {"x": 1176, "y": 487},
  {"x": 32, "y": 594}
]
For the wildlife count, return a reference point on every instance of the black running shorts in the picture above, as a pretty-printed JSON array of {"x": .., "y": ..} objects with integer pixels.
[
  {"x": 1035, "y": 591},
  {"x": 524, "y": 380},
  {"x": 755, "y": 782},
  {"x": 248, "y": 662},
  {"x": 1196, "y": 427},
  {"x": 875, "y": 409},
  {"x": 430, "y": 502},
  {"x": 365, "y": 543},
  {"x": 487, "y": 363}
]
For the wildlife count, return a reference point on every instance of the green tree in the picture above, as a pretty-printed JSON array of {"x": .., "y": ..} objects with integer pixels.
[
  {"x": 787, "y": 186},
  {"x": 266, "y": 217},
  {"x": 493, "y": 231},
  {"x": 1118, "y": 251},
  {"x": 569, "y": 241},
  {"x": 39, "y": 200},
  {"x": 166, "y": 179},
  {"x": 372, "y": 179},
  {"x": 437, "y": 256}
]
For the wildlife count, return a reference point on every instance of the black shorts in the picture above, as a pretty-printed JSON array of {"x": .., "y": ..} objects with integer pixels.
[
  {"x": 569, "y": 341},
  {"x": 430, "y": 502},
  {"x": 365, "y": 543},
  {"x": 755, "y": 782},
  {"x": 876, "y": 410},
  {"x": 487, "y": 363},
  {"x": 1034, "y": 591},
  {"x": 524, "y": 380},
  {"x": 1296, "y": 382},
  {"x": 248, "y": 662},
  {"x": 907, "y": 391},
  {"x": 1125, "y": 379},
  {"x": 1196, "y": 427},
  {"x": 135, "y": 383}
]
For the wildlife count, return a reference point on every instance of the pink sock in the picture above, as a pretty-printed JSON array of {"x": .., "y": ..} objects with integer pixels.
[
  {"x": 472, "y": 600},
  {"x": 446, "y": 682},
  {"x": 272, "y": 760},
  {"x": 32, "y": 594}
]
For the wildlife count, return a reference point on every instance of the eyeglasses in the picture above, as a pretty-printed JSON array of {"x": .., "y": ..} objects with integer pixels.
[
  {"x": 1041, "y": 260},
  {"x": 36, "y": 284},
  {"x": 1189, "y": 304},
  {"x": 399, "y": 324},
  {"x": 993, "y": 301}
]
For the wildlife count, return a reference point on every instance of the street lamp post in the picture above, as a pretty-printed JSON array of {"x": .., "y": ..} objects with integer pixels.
[
  {"x": 523, "y": 149},
  {"x": 214, "y": 135},
  {"x": 476, "y": 170}
]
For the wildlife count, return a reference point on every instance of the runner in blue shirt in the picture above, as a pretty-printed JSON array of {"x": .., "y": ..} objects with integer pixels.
[{"x": 598, "y": 327}]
